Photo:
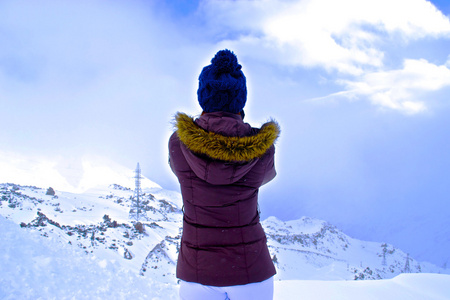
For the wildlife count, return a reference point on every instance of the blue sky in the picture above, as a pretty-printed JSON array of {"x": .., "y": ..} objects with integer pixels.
[{"x": 360, "y": 89}]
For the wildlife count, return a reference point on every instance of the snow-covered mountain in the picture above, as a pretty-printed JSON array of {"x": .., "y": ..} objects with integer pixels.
[
  {"x": 99, "y": 221},
  {"x": 37, "y": 267},
  {"x": 313, "y": 249},
  {"x": 102, "y": 224}
]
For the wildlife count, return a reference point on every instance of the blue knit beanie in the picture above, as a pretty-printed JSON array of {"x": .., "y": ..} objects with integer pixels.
[{"x": 222, "y": 85}]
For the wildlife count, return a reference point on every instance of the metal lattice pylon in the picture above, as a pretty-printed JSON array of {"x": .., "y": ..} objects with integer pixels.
[
  {"x": 136, "y": 211},
  {"x": 407, "y": 266}
]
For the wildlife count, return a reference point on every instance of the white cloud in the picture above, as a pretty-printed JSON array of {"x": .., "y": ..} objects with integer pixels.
[
  {"x": 352, "y": 37},
  {"x": 401, "y": 89},
  {"x": 336, "y": 35}
]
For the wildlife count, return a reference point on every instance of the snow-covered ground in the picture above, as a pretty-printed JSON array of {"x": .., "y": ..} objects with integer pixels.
[
  {"x": 86, "y": 245},
  {"x": 402, "y": 287},
  {"x": 35, "y": 267}
]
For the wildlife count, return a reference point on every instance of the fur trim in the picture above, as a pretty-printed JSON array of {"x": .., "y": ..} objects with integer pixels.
[{"x": 222, "y": 147}]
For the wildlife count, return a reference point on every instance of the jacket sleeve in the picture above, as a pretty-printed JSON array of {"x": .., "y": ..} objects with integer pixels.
[
  {"x": 270, "y": 172},
  {"x": 173, "y": 141}
]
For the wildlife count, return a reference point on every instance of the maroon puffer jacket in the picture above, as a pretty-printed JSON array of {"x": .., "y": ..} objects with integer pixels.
[{"x": 221, "y": 162}]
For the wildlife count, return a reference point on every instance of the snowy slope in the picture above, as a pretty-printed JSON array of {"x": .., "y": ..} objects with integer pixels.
[
  {"x": 35, "y": 267},
  {"x": 99, "y": 223},
  {"x": 50, "y": 241},
  {"x": 402, "y": 287},
  {"x": 314, "y": 249}
]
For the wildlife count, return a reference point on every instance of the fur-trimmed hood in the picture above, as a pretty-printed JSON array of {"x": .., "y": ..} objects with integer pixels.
[
  {"x": 220, "y": 148},
  {"x": 226, "y": 147}
]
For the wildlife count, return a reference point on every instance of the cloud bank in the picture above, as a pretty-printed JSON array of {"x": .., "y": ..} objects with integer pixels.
[{"x": 349, "y": 39}]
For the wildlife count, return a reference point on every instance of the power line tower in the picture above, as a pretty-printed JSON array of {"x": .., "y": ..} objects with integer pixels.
[
  {"x": 136, "y": 210},
  {"x": 383, "y": 262},
  {"x": 407, "y": 267}
]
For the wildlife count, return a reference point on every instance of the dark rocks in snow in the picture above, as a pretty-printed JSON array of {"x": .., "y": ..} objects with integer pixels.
[
  {"x": 275, "y": 259},
  {"x": 157, "y": 257},
  {"x": 366, "y": 274},
  {"x": 119, "y": 187},
  {"x": 127, "y": 254},
  {"x": 40, "y": 221},
  {"x": 50, "y": 191},
  {"x": 139, "y": 227},
  {"x": 168, "y": 207},
  {"x": 11, "y": 194},
  {"x": 109, "y": 223}
]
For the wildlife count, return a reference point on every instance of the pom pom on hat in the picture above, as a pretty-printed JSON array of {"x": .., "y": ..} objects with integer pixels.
[
  {"x": 224, "y": 62},
  {"x": 222, "y": 85}
]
